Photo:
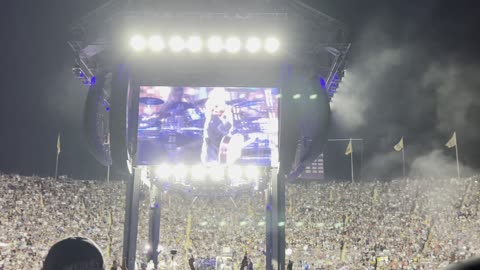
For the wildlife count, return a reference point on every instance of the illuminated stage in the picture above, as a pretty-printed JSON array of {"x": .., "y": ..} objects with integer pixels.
[{"x": 211, "y": 106}]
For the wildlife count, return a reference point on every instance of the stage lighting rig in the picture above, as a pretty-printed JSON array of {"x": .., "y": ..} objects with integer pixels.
[{"x": 215, "y": 44}]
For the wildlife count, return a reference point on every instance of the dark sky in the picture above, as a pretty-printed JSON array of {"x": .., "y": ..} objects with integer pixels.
[{"x": 413, "y": 71}]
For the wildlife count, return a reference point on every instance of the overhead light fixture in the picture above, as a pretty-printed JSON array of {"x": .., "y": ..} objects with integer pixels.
[
  {"x": 272, "y": 45},
  {"x": 252, "y": 173},
  {"x": 253, "y": 44},
  {"x": 176, "y": 44},
  {"x": 215, "y": 44},
  {"x": 235, "y": 172},
  {"x": 194, "y": 44},
  {"x": 156, "y": 43},
  {"x": 138, "y": 43},
  {"x": 233, "y": 45},
  {"x": 163, "y": 172},
  {"x": 180, "y": 172},
  {"x": 198, "y": 172}
]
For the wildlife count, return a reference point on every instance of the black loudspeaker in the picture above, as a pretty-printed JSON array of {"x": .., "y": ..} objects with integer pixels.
[
  {"x": 95, "y": 121},
  {"x": 123, "y": 120}
]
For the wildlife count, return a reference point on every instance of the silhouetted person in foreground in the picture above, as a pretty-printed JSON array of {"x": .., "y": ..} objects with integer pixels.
[
  {"x": 244, "y": 262},
  {"x": 473, "y": 264},
  {"x": 190, "y": 263},
  {"x": 290, "y": 265},
  {"x": 75, "y": 253}
]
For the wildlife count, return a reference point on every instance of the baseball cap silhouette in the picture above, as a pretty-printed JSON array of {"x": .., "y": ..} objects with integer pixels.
[{"x": 75, "y": 253}]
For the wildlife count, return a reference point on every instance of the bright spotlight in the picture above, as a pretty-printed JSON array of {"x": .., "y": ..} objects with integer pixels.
[
  {"x": 215, "y": 44},
  {"x": 253, "y": 45},
  {"x": 163, "y": 171},
  {"x": 147, "y": 247},
  {"x": 216, "y": 173},
  {"x": 233, "y": 44},
  {"x": 138, "y": 43},
  {"x": 272, "y": 45},
  {"x": 176, "y": 44},
  {"x": 194, "y": 44},
  {"x": 288, "y": 251},
  {"x": 180, "y": 171},
  {"x": 235, "y": 172},
  {"x": 156, "y": 43},
  {"x": 252, "y": 173},
  {"x": 198, "y": 172}
]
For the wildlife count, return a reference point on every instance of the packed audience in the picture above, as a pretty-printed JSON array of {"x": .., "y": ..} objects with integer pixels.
[{"x": 397, "y": 224}]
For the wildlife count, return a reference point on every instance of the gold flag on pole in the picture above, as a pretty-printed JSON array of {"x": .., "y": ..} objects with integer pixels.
[
  {"x": 349, "y": 149},
  {"x": 453, "y": 141},
  {"x": 399, "y": 146},
  {"x": 58, "y": 144}
]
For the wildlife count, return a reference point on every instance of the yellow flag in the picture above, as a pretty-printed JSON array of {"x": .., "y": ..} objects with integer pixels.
[
  {"x": 58, "y": 144},
  {"x": 349, "y": 149},
  {"x": 399, "y": 145},
  {"x": 42, "y": 205},
  {"x": 453, "y": 141}
]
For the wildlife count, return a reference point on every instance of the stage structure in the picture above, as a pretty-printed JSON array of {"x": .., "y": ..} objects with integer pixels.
[{"x": 194, "y": 94}]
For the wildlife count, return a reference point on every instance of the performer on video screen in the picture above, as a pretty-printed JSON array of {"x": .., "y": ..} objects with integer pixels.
[
  {"x": 218, "y": 123},
  {"x": 175, "y": 105}
]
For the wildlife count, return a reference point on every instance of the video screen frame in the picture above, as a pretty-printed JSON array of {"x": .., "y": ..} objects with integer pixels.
[{"x": 219, "y": 125}]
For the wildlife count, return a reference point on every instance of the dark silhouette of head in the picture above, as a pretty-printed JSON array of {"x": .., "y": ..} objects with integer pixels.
[
  {"x": 472, "y": 264},
  {"x": 75, "y": 253}
]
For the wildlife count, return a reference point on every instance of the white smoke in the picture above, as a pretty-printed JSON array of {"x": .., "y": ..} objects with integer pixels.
[{"x": 436, "y": 164}]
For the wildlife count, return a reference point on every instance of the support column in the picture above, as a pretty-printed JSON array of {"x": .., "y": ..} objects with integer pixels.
[
  {"x": 130, "y": 227},
  {"x": 268, "y": 226},
  {"x": 278, "y": 220},
  {"x": 154, "y": 225}
]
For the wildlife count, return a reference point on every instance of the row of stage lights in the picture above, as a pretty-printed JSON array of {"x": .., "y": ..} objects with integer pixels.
[
  {"x": 195, "y": 44},
  {"x": 200, "y": 173}
]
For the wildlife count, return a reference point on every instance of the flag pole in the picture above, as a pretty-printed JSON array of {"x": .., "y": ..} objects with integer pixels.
[
  {"x": 351, "y": 165},
  {"x": 403, "y": 161},
  {"x": 108, "y": 174},
  {"x": 56, "y": 167},
  {"x": 458, "y": 164}
]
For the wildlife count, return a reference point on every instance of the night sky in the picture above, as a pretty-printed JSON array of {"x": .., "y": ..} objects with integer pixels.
[{"x": 413, "y": 71}]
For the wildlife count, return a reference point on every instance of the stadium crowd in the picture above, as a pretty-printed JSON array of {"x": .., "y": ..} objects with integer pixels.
[{"x": 397, "y": 224}]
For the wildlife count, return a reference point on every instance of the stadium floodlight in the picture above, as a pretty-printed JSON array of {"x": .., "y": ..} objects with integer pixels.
[
  {"x": 252, "y": 173},
  {"x": 314, "y": 96},
  {"x": 235, "y": 172},
  {"x": 176, "y": 44},
  {"x": 216, "y": 173},
  {"x": 163, "y": 172},
  {"x": 253, "y": 44},
  {"x": 288, "y": 251},
  {"x": 198, "y": 172},
  {"x": 156, "y": 43},
  {"x": 215, "y": 44},
  {"x": 138, "y": 43},
  {"x": 297, "y": 96},
  {"x": 180, "y": 172},
  {"x": 233, "y": 45},
  {"x": 272, "y": 45},
  {"x": 194, "y": 44}
]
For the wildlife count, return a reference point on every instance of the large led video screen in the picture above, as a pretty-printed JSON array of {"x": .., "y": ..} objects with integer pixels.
[{"x": 208, "y": 125}]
